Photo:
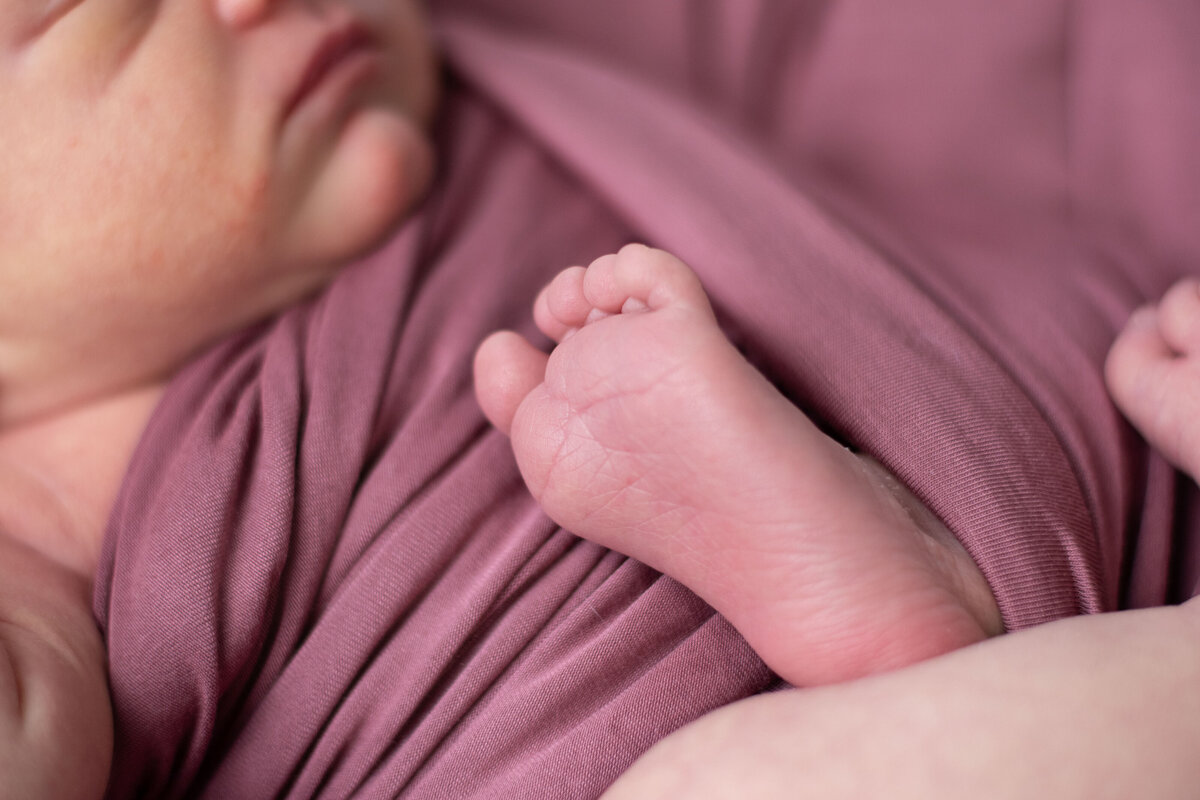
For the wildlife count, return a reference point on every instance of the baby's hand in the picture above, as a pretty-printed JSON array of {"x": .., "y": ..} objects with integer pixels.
[
  {"x": 56, "y": 729},
  {"x": 1153, "y": 372}
]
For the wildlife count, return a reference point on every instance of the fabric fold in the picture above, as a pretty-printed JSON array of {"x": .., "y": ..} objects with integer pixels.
[{"x": 323, "y": 576}]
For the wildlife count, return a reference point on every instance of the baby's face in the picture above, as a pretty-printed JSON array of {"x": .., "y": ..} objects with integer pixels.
[{"x": 170, "y": 170}]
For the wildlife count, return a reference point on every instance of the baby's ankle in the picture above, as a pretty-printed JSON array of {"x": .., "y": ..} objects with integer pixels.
[{"x": 961, "y": 574}]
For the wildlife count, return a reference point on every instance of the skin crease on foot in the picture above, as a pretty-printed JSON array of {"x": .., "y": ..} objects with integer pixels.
[{"x": 645, "y": 431}]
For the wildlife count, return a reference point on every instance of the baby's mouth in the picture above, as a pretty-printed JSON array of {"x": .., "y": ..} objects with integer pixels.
[{"x": 333, "y": 50}]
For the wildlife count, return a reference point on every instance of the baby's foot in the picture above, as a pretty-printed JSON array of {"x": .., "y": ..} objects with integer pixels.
[
  {"x": 1153, "y": 372},
  {"x": 647, "y": 432}
]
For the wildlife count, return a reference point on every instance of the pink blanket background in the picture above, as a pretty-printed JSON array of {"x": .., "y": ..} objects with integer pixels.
[{"x": 924, "y": 220}]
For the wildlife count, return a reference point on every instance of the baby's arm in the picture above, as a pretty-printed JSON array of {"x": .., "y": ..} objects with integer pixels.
[
  {"x": 55, "y": 716},
  {"x": 1106, "y": 706}
]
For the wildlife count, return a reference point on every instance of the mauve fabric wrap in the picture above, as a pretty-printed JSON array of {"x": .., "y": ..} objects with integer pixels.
[{"x": 924, "y": 220}]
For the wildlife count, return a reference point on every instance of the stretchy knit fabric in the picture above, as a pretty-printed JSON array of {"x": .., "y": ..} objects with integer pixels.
[{"x": 924, "y": 220}]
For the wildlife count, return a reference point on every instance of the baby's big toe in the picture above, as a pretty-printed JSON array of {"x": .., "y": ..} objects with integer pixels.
[{"x": 507, "y": 369}]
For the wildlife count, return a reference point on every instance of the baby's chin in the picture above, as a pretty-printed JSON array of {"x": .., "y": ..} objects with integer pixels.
[{"x": 372, "y": 180}]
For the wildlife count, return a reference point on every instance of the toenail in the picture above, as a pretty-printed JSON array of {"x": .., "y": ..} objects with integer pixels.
[{"x": 595, "y": 315}]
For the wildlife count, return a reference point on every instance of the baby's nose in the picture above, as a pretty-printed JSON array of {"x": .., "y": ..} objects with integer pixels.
[{"x": 242, "y": 13}]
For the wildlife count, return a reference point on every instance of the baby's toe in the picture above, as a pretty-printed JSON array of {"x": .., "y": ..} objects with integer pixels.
[
  {"x": 561, "y": 306},
  {"x": 639, "y": 277},
  {"x": 1179, "y": 316},
  {"x": 507, "y": 368}
]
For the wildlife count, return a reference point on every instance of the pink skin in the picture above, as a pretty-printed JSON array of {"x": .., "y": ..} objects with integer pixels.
[
  {"x": 1098, "y": 706},
  {"x": 163, "y": 199},
  {"x": 155, "y": 194},
  {"x": 1153, "y": 373},
  {"x": 645, "y": 430}
]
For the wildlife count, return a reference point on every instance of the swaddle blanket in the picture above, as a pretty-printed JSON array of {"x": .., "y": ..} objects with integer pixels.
[{"x": 923, "y": 220}]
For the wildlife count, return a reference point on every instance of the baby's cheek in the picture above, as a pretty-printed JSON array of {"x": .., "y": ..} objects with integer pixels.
[{"x": 379, "y": 169}]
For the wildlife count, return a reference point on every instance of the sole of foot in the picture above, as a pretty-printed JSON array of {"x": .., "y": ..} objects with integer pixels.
[{"x": 645, "y": 430}]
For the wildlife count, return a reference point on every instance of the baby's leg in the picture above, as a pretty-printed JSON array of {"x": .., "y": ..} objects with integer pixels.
[
  {"x": 1153, "y": 372},
  {"x": 646, "y": 431}
]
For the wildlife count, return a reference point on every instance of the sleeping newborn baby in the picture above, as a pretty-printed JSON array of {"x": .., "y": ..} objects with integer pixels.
[{"x": 203, "y": 165}]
